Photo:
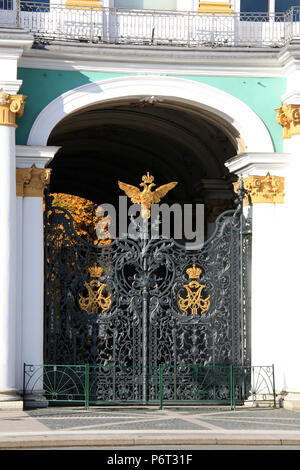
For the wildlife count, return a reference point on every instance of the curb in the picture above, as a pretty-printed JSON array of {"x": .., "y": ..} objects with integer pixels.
[{"x": 18, "y": 444}]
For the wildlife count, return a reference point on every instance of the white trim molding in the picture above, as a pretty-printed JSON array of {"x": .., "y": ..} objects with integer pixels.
[
  {"x": 28, "y": 155},
  {"x": 247, "y": 164},
  {"x": 232, "y": 114}
]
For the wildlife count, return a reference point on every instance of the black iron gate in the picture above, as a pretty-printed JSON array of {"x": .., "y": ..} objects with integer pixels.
[{"x": 130, "y": 306}]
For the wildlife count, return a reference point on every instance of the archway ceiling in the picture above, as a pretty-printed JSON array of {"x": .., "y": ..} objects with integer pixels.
[{"x": 100, "y": 146}]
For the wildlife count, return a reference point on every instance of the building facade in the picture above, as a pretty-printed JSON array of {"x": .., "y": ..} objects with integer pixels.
[{"x": 202, "y": 93}]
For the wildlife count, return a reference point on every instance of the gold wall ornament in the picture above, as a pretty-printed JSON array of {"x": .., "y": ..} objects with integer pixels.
[
  {"x": 23, "y": 176},
  {"x": 288, "y": 116},
  {"x": 147, "y": 197},
  {"x": 11, "y": 106},
  {"x": 32, "y": 182},
  {"x": 95, "y": 299},
  {"x": 215, "y": 7},
  {"x": 84, "y": 4},
  {"x": 263, "y": 189},
  {"x": 194, "y": 301}
]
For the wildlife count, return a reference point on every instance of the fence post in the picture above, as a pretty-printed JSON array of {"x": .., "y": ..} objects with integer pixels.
[
  {"x": 161, "y": 386},
  {"x": 86, "y": 386},
  {"x": 24, "y": 368},
  {"x": 232, "y": 400},
  {"x": 274, "y": 393}
]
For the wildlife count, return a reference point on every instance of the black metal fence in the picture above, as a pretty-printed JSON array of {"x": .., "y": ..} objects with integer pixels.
[{"x": 88, "y": 385}]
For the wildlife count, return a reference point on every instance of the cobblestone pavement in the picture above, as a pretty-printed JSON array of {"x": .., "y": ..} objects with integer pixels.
[
  {"x": 212, "y": 419},
  {"x": 133, "y": 426}
]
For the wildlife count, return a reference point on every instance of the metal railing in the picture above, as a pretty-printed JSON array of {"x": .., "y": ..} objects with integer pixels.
[
  {"x": 88, "y": 385},
  {"x": 50, "y": 21}
]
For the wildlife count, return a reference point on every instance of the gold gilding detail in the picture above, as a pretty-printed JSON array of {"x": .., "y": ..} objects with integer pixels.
[
  {"x": 263, "y": 189},
  {"x": 32, "y": 182},
  {"x": 84, "y": 4},
  {"x": 147, "y": 197},
  {"x": 95, "y": 299},
  {"x": 215, "y": 7},
  {"x": 194, "y": 302},
  {"x": 11, "y": 106},
  {"x": 288, "y": 116}
]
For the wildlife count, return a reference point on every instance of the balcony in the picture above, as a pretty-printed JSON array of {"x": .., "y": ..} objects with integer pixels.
[{"x": 58, "y": 22}]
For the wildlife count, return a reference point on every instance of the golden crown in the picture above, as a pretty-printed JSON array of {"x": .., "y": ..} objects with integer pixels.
[
  {"x": 95, "y": 270},
  {"x": 148, "y": 178},
  {"x": 194, "y": 273}
]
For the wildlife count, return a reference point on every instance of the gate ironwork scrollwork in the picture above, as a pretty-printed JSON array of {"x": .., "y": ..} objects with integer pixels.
[{"x": 136, "y": 304}]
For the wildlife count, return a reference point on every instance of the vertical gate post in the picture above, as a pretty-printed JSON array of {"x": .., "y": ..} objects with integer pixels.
[
  {"x": 161, "y": 386},
  {"x": 145, "y": 323},
  {"x": 86, "y": 386},
  {"x": 232, "y": 395},
  {"x": 274, "y": 393}
]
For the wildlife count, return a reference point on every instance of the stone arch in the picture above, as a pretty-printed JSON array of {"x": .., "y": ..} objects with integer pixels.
[{"x": 238, "y": 121}]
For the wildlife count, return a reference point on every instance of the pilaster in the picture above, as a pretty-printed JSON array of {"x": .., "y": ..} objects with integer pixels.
[
  {"x": 264, "y": 178},
  {"x": 288, "y": 116},
  {"x": 32, "y": 179}
]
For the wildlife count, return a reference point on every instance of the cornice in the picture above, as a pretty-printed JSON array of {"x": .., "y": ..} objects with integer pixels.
[
  {"x": 289, "y": 57},
  {"x": 11, "y": 86},
  {"x": 156, "y": 59},
  {"x": 29, "y": 155},
  {"x": 246, "y": 164},
  {"x": 15, "y": 38}
]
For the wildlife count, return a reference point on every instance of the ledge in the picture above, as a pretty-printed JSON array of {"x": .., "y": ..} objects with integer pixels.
[{"x": 229, "y": 61}]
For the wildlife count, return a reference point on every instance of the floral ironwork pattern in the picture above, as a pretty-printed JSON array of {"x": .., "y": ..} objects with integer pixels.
[{"x": 141, "y": 324}]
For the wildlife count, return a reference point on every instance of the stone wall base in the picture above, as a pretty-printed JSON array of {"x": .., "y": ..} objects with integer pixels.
[{"x": 290, "y": 401}]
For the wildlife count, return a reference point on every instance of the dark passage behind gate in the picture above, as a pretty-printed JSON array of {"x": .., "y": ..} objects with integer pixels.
[{"x": 130, "y": 306}]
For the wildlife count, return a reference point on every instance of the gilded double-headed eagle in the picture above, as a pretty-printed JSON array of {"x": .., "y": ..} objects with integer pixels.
[{"x": 147, "y": 196}]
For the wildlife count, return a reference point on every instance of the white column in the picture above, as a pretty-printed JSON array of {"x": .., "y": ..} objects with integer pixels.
[
  {"x": 289, "y": 117},
  {"x": 33, "y": 178},
  {"x": 33, "y": 281},
  {"x": 13, "y": 41},
  {"x": 19, "y": 232},
  {"x": 268, "y": 270},
  {"x": 8, "y": 260},
  {"x": 268, "y": 299},
  {"x": 290, "y": 319},
  {"x": 272, "y": 7}
]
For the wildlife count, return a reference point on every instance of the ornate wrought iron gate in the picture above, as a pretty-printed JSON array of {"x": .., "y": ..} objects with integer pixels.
[{"x": 132, "y": 305}]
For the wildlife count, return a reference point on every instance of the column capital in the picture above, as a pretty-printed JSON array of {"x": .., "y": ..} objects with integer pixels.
[
  {"x": 267, "y": 189},
  {"x": 288, "y": 116},
  {"x": 11, "y": 106},
  {"x": 32, "y": 182}
]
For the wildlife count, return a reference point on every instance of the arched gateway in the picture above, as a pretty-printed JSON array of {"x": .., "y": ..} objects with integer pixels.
[{"x": 150, "y": 317}]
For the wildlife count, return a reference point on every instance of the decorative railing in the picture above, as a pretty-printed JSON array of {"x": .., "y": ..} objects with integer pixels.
[
  {"x": 194, "y": 384},
  {"x": 50, "y": 21}
]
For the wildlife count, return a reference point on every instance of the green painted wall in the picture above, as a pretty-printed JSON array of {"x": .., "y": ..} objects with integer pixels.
[{"x": 263, "y": 95}]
